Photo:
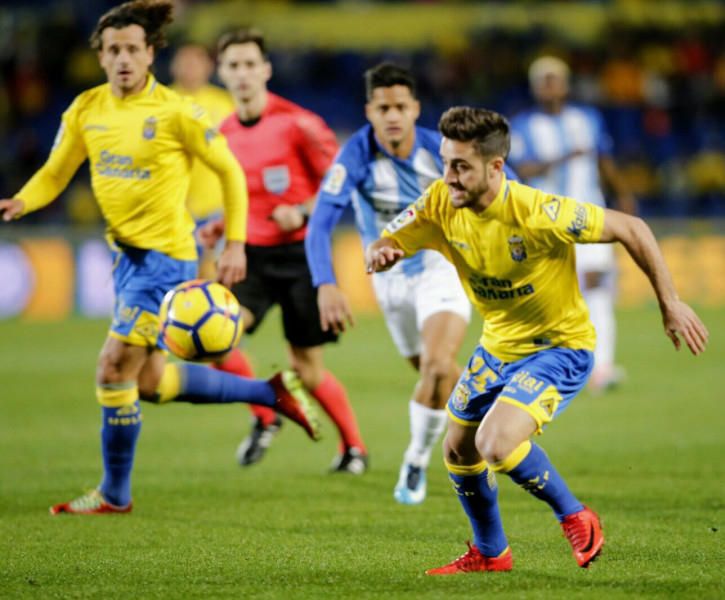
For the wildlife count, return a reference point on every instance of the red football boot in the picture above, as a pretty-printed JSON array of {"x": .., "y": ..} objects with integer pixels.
[
  {"x": 295, "y": 402},
  {"x": 92, "y": 503},
  {"x": 473, "y": 561},
  {"x": 584, "y": 532}
]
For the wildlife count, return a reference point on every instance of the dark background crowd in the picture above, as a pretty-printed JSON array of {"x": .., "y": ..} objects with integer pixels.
[{"x": 657, "y": 76}]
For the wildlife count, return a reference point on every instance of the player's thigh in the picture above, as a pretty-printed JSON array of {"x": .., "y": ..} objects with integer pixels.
[
  {"x": 253, "y": 293},
  {"x": 141, "y": 280},
  {"x": 542, "y": 385},
  {"x": 476, "y": 389},
  {"x": 395, "y": 296}
]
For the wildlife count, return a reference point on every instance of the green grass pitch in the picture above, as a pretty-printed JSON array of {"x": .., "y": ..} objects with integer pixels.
[{"x": 648, "y": 457}]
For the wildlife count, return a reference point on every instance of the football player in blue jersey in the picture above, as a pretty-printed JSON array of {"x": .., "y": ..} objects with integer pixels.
[
  {"x": 382, "y": 168},
  {"x": 564, "y": 148}
]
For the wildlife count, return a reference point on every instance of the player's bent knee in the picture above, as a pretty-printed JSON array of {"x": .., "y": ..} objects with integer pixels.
[{"x": 497, "y": 449}]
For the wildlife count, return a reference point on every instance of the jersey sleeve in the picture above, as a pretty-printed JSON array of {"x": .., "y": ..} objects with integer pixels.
[
  {"x": 416, "y": 227},
  {"x": 317, "y": 143},
  {"x": 342, "y": 178},
  {"x": 66, "y": 155},
  {"x": 203, "y": 140},
  {"x": 558, "y": 219}
]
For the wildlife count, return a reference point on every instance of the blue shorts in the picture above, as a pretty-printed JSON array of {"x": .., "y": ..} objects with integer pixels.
[
  {"x": 542, "y": 384},
  {"x": 141, "y": 278}
]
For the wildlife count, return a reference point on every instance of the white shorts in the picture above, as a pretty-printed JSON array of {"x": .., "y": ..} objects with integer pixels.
[
  {"x": 597, "y": 258},
  {"x": 408, "y": 301}
]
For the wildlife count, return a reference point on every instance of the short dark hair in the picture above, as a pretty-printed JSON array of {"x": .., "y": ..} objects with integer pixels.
[
  {"x": 387, "y": 74},
  {"x": 488, "y": 130},
  {"x": 152, "y": 15},
  {"x": 245, "y": 35}
]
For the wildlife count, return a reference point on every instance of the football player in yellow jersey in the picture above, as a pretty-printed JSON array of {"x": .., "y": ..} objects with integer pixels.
[
  {"x": 191, "y": 69},
  {"x": 513, "y": 248},
  {"x": 138, "y": 137}
]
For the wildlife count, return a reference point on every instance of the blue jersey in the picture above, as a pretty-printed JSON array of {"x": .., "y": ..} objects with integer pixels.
[
  {"x": 537, "y": 136},
  {"x": 379, "y": 186}
]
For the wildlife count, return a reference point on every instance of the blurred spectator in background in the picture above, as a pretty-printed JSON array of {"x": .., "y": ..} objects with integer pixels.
[
  {"x": 564, "y": 148},
  {"x": 192, "y": 68}
]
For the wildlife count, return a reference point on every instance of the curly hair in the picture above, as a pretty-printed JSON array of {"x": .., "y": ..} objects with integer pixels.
[
  {"x": 488, "y": 130},
  {"x": 152, "y": 15}
]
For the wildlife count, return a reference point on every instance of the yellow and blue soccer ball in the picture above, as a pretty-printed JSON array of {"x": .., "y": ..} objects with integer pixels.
[{"x": 200, "y": 320}]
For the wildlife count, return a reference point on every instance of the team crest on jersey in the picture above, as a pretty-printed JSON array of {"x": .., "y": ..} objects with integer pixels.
[
  {"x": 149, "y": 128},
  {"x": 461, "y": 396},
  {"x": 276, "y": 179},
  {"x": 335, "y": 179},
  {"x": 404, "y": 218},
  {"x": 517, "y": 248}
]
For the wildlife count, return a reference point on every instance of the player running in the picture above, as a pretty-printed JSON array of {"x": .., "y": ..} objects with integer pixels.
[
  {"x": 513, "y": 248},
  {"x": 564, "y": 148},
  {"x": 381, "y": 169},
  {"x": 138, "y": 137},
  {"x": 285, "y": 151}
]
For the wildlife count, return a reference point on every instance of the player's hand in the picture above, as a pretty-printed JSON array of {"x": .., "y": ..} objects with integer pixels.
[
  {"x": 680, "y": 320},
  {"x": 232, "y": 264},
  {"x": 380, "y": 257},
  {"x": 11, "y": 208},
  {"x": 335, "y": 312},
  {"x": 211, "y": 233},
  {"x": 288, "y": 217}
]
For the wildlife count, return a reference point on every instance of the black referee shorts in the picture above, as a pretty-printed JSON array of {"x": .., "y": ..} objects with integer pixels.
[{"x": 279, "y": 275}]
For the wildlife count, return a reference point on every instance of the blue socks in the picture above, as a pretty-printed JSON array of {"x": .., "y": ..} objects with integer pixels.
[
  {"x": 537, "y": 475},
  {"x": 119, "y": 432},
  {"x": 200, "y": 384},
  {"x": 478, "y": 494}
]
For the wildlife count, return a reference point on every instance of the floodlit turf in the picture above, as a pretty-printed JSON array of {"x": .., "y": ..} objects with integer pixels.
[{"x": 648, "y": 457}]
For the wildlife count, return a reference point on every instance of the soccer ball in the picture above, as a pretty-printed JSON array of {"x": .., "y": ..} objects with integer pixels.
[{"x": 200, "y": 320}]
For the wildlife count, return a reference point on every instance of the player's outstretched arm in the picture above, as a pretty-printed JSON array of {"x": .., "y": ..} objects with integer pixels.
[
  {"x": 678, "y": 318},
  {"x": 11, "y": 208},
  {"x": 382, "y": 255}
]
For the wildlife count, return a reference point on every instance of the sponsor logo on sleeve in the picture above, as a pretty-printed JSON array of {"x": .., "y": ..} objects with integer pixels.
[
  {"x": 404, "y": 218},
  {"x": 579, "y": 223},
  {"x": 335, "y": 179}
]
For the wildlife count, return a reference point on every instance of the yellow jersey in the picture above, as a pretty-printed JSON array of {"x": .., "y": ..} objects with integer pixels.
[
  {"x": 140, "y": 151},
  {"x": 516, "y": 262},
  {"x": 205, "y": 190}
]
